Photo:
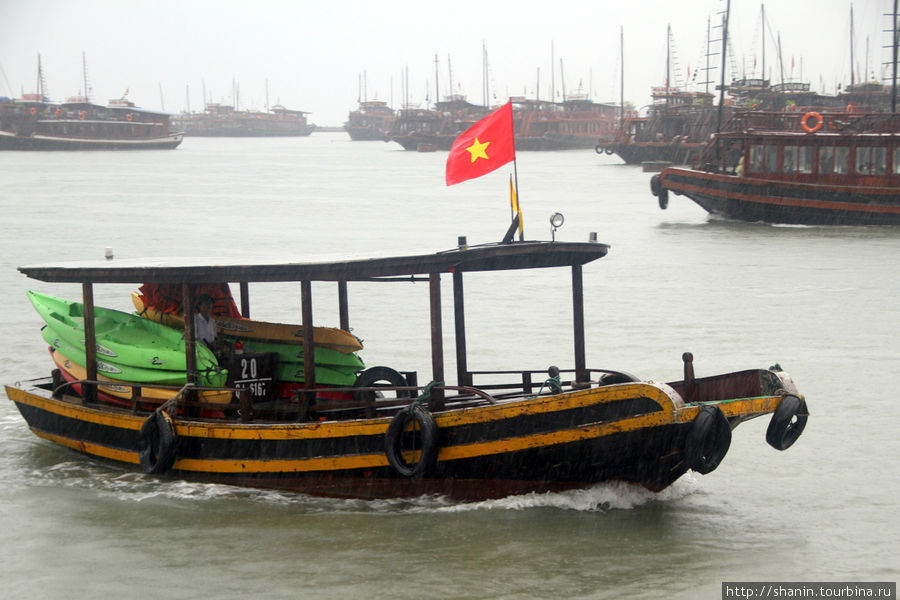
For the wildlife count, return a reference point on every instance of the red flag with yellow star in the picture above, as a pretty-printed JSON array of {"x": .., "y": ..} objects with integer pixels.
[{"x": 487, "y": 145}]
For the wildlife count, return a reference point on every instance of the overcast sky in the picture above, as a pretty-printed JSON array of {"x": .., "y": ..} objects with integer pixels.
[{"x": 311, "y": 55}]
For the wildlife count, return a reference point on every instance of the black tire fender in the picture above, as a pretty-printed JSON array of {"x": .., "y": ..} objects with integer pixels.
[
  {"x": 373, "y": 375},
  {"x": 663, "y": 198},
  {"x": 598, "y": 149},
  {"x": 157, "y": 443},
  {"x": 609, "y": 151},
  {"x": 708, "y": 440},
  {"x": 787, "y": 423},
  {"x": 655, "y": 186},
  {"x": 427, "y": 432}
]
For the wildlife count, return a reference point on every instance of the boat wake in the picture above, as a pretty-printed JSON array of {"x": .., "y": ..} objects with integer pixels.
[{"x": 140, "y": 488}]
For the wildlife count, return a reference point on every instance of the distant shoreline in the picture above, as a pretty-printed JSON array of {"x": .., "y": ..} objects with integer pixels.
[{"x": 331, "y": 128}]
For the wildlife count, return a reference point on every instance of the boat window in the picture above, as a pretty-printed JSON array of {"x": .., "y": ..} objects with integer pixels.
[
  {"x": 897, "y": 160},
  {"x": 797, "y": 159},
  {"x": 826, "y": 160},
  {"x": 756, "y": 157},
  {"x": 771, "y": 158},
  {"x": 790, "y": 159},
  {"x": 871, "y": 161},
  {"x": 804, "y": 159},
  {"x": 842, "y": 160}
]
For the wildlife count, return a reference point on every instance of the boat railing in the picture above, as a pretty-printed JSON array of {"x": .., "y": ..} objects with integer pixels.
[
  {"x": 336, "y": 403},
  {"x": 304, "y": 405}
]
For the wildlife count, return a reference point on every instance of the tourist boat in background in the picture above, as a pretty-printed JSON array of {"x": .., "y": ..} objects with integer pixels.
[
  {"x": 371, "y": 121},
  {"x": 35, "y": 123},
  {"x": 575, "y": 123},
  {"x": 492, "y": 434},
  {"x": 438, "y": 127},
  {"x": 675, "y": 129},
  {"x": 539, "y": 125},
  {"x": 222, "y": 120},
  {"x": 813, "y": 168}
]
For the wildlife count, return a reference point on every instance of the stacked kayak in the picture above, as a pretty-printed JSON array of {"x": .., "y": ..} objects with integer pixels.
[
  {"x": 129, "y": 349},
  {"x": 243, "y": 329},
  {"x": 335, "y": 349}
]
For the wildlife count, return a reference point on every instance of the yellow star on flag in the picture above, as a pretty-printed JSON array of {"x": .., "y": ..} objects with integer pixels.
[{"x": 477, "y": 150}]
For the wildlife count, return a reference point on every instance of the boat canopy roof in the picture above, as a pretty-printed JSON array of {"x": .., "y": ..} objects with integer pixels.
[{"x": 487, "y": 257}]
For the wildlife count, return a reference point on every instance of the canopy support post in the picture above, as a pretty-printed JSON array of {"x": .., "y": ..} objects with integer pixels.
[
  {"x": 437, "y": 340},
  {"x": 245, "y": 299},
  {"x": 89, "y": 391},
  {"x": 190, "y": 336},
  {"x": 309, "y": 357},
  {"x": 581, "y": 375},
  {"x": 459, "y": 313},
  {"x": 343, "y": 306}
]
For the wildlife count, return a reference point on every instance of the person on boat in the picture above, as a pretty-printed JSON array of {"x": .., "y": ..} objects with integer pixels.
[{"x": 204, "y": 324}]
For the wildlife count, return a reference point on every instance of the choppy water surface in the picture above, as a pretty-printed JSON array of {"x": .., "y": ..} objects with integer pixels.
[{"x": 822, "y": 302}]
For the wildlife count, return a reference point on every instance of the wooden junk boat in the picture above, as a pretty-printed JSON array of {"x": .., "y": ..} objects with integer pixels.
[
  {"x": 812, "y": 168},
  {"x": 490, "y": 435},
  {"x": 33, "y": 123}
]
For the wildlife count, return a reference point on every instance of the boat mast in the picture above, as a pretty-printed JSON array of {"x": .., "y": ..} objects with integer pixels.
[
  {"x": 437, "y": 84},
  {"x": 621, "y": 75},
  {"x": 762, "y": 16},
  {"x": 894, "y": 74},
  {"x": 668, "y": 59},
  {"x": 87, "y": 90},
  {"x": 552, "y": 73},
  {"x": 852, "y": 67},
  {"x": 722, "y": 84}
]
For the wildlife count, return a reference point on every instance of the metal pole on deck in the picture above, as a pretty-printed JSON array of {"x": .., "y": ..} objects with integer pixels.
[
  {"x": 190, "y": 354},
  {"x": 578, "y": 323},
  {"x": 343, "y": 306},
  {"x": 90, "y": 342},
  {"x": 459, "y": 314},
  {"x": 309, "y": 358},
  {"x": 245, "y": 299},
  {"x": 437, "y": 339}
]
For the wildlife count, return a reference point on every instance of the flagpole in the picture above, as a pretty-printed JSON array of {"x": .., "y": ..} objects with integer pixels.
[{"x": 516, "y": 174}]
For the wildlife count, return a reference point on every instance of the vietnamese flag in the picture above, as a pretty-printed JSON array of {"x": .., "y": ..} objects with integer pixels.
[{"x": 487, "y": 145}]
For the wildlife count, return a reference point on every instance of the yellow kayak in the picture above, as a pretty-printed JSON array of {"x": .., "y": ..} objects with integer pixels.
[
  {"x": 285, "y": 333},
  {"x": 123, "y": 389}
]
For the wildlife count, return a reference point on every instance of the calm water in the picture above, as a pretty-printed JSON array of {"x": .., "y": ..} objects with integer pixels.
[{"x": 822, "y": 302}]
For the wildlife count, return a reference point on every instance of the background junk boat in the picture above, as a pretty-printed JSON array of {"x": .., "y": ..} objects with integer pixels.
[
  {"x": 36, "y": 124},
  {"x": 828, "y": 168},
  {"x": 221, "y": 120},
  {"x": 370, "y": 122},
  {"x": 504, "y": 434}
]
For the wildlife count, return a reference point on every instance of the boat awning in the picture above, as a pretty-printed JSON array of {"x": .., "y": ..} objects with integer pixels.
[{"x": 488, "y": 257}]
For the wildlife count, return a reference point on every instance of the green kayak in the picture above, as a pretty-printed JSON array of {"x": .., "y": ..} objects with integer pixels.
[
  {"x": 293, "y": 354},
  {"x": 324, "y": 375},
  {"x": 212, "y": 377},
  {"x": 123, "y": 340}
]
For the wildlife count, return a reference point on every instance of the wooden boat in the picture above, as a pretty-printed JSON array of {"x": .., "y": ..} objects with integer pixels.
[
  {"x": 573, "y": 124},
  {"x": 34, "y": 123},
  {"x": 371, "y": 121},
  {"x": 221, "y": 120},
  {"x": 828, "y": 168},
  {"x": 490, "y": 435}
]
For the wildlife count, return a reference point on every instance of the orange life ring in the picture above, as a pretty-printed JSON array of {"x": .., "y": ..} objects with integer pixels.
[
  {"x": 128, "y": 117},
  {"x": 81, "y": 115},
  {"x": 811, "y": 115},
  {"x": 32, "y": 110}
]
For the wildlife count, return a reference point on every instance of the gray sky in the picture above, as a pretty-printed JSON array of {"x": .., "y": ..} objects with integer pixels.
[{"x": 312, "y": 54}]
